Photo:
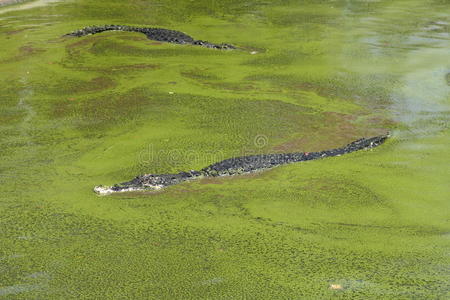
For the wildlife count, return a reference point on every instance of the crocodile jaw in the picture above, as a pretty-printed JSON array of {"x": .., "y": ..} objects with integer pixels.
[{"x": 106, "y": 190}]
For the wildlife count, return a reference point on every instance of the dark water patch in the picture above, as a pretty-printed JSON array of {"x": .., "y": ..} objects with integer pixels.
[
  {"x": 83, "y": 42},
  {"x": 417, "y": 231},
  {"x": 285, "y": 225},
  {"x": 11, "y": 116},
  {"x": 230, "y": 86},
  {"x": 211, "y": 80},
  {"x": 382, "y": 122},
  {"x": 16, "y": 31},
  {"x": 102, "y": 112},
  {"x": 121, "y": 69},
  {"x": 29, "y": 50},
  {"x": 358, "y": 225},
  {"x": 69, "y": 87},
  {"x": 200, "y": 75},
  {"x": 25, "y": 52},
  {"x": 342, "y": 125}
]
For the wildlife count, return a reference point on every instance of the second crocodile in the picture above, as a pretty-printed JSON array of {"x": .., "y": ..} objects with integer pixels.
[{"x": 156, "y": 34}]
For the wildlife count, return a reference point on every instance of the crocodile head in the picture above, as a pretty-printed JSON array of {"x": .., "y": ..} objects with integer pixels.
[
  {"x": 377, "y": 140},
  {"x": 148, "y": 182}
]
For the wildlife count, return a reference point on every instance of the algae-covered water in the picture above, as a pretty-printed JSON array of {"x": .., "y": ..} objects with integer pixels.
[{"x": 312, "y": 75}]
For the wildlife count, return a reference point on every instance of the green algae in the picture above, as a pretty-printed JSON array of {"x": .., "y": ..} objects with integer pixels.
[{"x": 101, "y": 109}]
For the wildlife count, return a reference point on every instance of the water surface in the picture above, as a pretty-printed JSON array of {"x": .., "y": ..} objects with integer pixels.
[{"x": 313, "y": 75}]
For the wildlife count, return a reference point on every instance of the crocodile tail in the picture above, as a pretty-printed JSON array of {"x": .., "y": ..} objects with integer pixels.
[{"x": 97, "y": 29}]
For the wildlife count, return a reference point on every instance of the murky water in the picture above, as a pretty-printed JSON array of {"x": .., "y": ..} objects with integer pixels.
[{"x": 313, "y": 75}]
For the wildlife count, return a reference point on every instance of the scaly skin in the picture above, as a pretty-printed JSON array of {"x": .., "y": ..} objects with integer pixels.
[
  {"x": 236, "y": 166},
  {"x": 156, "y": 34}
]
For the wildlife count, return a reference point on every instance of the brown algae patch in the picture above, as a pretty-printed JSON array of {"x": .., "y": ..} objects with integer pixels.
[
  {"x": 29, "y": 50},
  {"x": 17, "y": 31},
  {"x": 74, "y": 87},
  {"x": 200, "y": 75},
  {"x": 100, "y": 112},
  {"x": 77, "y": 51},
  {"x": 25, "y": 52},
  {"x": 82, "y": 43},
  {"x": 130, "y": 68},
  {"x": 211, "y": 80},
  {"x": 333, "y": 130}
]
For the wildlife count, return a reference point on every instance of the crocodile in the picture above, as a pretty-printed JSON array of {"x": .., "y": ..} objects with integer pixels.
[
  {"x": 236, "y": 166},
  {"x": 156, "y": 34}
]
